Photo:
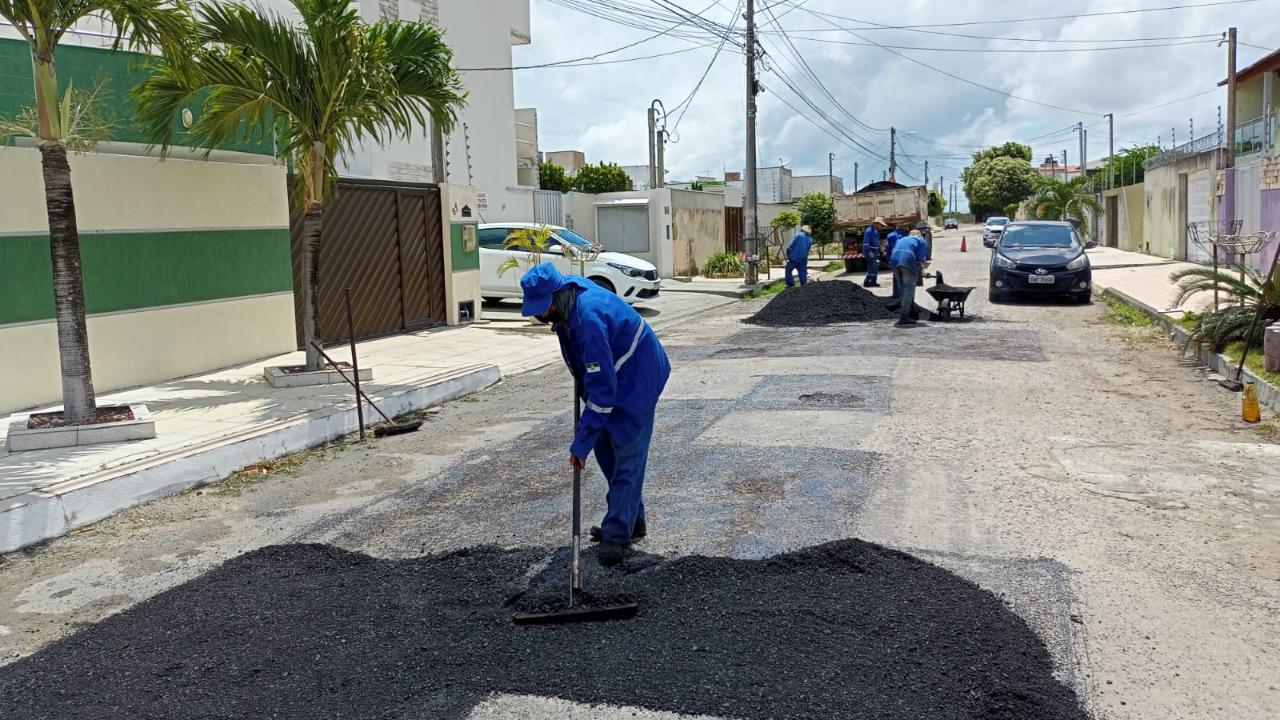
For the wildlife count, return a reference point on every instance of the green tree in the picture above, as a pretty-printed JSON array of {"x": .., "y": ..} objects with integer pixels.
[
  {"x": 323, "y": 84},
  {"x": 937, "y": 203},
  {"x": 1129, "y": 164},
  {"x": 818, "y": 212},
  {"x": 551, "y": 176},
  {"x": 1011, "y": 149},
  {"x": 601, "y": 178},
  {"x": 786, "y": 219},
  {"x": 993, "y": 183},
  {"x": 1069, "y": 200},
  {"x": 42, "y": 24}
]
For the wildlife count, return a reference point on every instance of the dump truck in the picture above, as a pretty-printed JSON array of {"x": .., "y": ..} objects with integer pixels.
[{"x": 898, "y": 205}]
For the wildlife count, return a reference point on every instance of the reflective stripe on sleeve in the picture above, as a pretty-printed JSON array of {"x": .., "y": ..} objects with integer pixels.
[{"x": 635, "y": 342}]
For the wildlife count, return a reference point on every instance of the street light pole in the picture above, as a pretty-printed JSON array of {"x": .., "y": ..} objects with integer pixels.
[
  {"x": 893, "y": 157},
  {"x": 653, "y": 153},
  {"x": 1231, "y": 97},
  {"x": 831, "y": 174},
  {"x": 1111, "y": 150},
  {"x": 751, "y": 222},
  {"x": 855, "y": 177}
]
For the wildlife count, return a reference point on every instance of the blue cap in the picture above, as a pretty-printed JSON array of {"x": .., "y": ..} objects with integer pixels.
[{"x": 538, "y": 285}]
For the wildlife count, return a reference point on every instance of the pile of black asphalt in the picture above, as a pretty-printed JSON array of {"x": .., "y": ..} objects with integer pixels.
[
  {"x": 841, "y": 630},
  {"x": 827, "y": 303}
]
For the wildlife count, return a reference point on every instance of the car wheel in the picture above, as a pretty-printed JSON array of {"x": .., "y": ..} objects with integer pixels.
[
  {"x": 1083, "y": 298},
  {"x": 604, "y": 284},
  {"x": 994, "y": 296}
]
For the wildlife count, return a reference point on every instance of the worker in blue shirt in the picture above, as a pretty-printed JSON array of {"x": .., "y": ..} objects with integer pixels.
[
  {"x": 892, "y": 239},
  {"x": 621, "y": 369},
  {"x": 871, "y": 250},
  {"x": 798, "y": 255},
  {"x": 910, "y": 256}
]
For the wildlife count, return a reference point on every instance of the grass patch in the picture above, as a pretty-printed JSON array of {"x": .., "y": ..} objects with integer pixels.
[
  {"x": 1254, "y": 362},
  {"x": 769, "y": 290},
  {"x": 834, "y": 265},
  {"x": 1122, "y": 313},
  {"x": 257, "y": 473},
  {"x": 1189, "y": 320}
]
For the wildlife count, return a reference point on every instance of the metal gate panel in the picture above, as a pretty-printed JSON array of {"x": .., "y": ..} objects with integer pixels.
[
  {"x": 624, "y": 228},
  {"x": 548, "y": 207},
  {"x": 733, "y": 228},
  {"x": 385, "y": 242},
  {"x": 1248, "y": 209},
  {"x": 1199, "y": 193}
]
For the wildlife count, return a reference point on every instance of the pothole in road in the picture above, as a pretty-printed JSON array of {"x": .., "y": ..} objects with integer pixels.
[{"x": 842, "y": 630}]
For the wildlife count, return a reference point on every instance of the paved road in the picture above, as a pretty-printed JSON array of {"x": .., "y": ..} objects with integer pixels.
[{"x": 1106, "y": 493}]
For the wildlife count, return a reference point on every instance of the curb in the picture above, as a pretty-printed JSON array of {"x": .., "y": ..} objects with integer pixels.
[
  {"x": 52, "y": 511},
  {"x": 1268, "y": 394}
]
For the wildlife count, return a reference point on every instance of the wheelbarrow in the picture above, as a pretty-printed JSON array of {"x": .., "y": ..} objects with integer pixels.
[{"x": 950, "y": 299}]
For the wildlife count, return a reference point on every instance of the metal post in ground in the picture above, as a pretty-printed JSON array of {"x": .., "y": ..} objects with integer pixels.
[
  {"x": 355, "y": 363},
  {"x": 751, "y": 228},
  {"x": 1111, "y": 150},
  {"x": 653, "y": 153}
]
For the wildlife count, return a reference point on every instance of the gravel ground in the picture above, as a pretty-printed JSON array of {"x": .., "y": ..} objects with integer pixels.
[
  {"x": 1104, "y": 493},
  {"x": 843, "y": 630}
]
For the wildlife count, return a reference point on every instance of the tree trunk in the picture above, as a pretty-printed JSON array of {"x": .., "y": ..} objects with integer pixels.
[
  {"x": 78, "y": 401},
  {"x": 312, "y": 222}
]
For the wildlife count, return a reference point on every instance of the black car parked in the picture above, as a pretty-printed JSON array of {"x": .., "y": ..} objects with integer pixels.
[{"x": 1043, "y": 258}]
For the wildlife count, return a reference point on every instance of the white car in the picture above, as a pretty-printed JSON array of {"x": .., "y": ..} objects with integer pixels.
[
  {"x": 630, "y": 277},
  {"x": 992, "y": 230}
]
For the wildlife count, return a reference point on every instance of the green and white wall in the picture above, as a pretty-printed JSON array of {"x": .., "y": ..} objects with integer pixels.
[{"x": 186, "y": 267}]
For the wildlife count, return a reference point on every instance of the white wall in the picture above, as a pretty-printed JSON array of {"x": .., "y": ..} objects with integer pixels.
[
  {"x": 481, "y": 33},
  {"x": 660, "y": 252},
  {"x": 801, "y": 184}
]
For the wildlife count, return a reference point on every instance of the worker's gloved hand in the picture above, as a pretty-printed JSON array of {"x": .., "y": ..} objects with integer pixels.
[{"x": 577, "y": 462}]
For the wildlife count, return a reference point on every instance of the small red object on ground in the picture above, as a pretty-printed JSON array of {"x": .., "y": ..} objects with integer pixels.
[{"x": 963, "y": 245}]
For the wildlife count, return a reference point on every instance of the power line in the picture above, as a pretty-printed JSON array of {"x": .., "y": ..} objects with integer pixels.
[
  {"x": 1007, "y": 50},
  {"x": 684, "y": 105},
  {"x": 1008, "y": 21}
]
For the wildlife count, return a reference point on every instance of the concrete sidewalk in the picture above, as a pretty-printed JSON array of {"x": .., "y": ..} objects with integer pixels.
[
  {"x": 1144, "y": 278},
  {"x": 735, "y": 287},
  {"x": 211, "y": 425}
]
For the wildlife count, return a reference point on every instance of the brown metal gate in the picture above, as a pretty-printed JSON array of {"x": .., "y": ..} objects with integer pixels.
[
  {"x": 733, "y": 229},
  {"x": 383, "y": 240}
]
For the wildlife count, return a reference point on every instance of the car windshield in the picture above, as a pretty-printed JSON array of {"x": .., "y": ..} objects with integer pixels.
[
  {"x": 573, "y": 238},
  {"x": 998, "y": 221},
  {"x": 1046, "y": 236}
]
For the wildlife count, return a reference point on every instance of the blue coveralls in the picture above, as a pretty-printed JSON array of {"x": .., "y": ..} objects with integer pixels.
[
  {"x": 871, "y": 250},
  {"x": 889, "y": 243},
  {"x": 623, "y": 369},
  {"x": 798, "y": 257},
  {"x": 905, "y": 261}
]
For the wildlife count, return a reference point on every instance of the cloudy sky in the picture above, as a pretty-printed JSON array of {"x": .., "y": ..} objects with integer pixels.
[{"x": 916, "y": 84}]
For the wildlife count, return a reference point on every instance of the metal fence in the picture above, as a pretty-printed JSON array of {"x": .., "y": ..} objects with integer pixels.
[
  {"x": 548, "y": 207},
  {"x": 1203, "y": 144}
]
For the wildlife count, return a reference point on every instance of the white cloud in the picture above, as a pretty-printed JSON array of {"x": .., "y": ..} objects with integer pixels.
[{"x": 601, "y": 109}]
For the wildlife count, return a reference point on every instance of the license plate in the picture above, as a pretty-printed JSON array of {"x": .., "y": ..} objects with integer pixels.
[{"x": 1040, "y": 279}]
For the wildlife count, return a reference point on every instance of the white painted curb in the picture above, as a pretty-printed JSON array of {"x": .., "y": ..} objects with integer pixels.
[{"x": 55, "y": 510}]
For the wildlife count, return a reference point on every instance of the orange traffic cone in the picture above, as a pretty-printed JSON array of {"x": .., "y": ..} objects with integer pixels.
[{"x": 963, "y": 246}]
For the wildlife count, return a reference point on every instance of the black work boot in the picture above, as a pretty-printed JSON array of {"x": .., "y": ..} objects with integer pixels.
[
  {"x": 639, "y": 531},
  {"x": 611, "y": 553}
]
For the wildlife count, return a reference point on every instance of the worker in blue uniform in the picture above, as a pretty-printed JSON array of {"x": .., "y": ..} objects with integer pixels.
[
  {"x": 871, "y": 251},
  {"x": 910, "y": 256},
  {"x": 798, "y": 255},
  {"x": 621, "y": 369},
  {"x": 889, "y": 242}
]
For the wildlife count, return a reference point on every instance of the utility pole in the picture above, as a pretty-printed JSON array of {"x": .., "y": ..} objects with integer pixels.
[
  {"x": 1065, "y": 175},
  {"x": 751, "y": 224},
  {"x": 831, "y": 174},
  {"x": 653, "y": 152},
  {"x": 893, "y": 157},
  {"x": 1084, "y": 152},
  {"x": 1080, "y": 142},
  {"x": 926, "y": 173},
  {"x": 1111, "y": 150},
  {"x": 1231, "y": 97},
  {"x": 661, "y": 143},
  {"x": 855, "y": 177}
]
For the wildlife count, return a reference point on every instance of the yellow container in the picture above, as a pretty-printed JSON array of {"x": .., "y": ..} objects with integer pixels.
[{"x": 1250, "y": 411}]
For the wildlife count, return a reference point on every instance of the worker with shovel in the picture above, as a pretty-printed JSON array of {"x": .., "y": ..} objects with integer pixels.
[
  {"x": 908, "y": 262},
  {"x": 620, "y": 369}
]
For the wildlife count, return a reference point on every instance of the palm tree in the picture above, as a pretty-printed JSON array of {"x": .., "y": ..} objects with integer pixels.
[
  {"x": 42, "y": 23},
  {"x": 1246, "y": 292},
  {"x": 322, "y": 85},
  {"x": 1065, "y": 200}
]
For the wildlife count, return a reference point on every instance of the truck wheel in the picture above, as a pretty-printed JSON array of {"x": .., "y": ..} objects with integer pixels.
[{"x": 851, "y": 266}]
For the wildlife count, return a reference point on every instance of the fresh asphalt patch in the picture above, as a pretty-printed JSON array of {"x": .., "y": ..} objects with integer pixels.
[{"x": 842, "y": 630}]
